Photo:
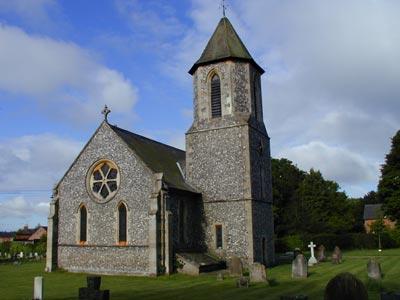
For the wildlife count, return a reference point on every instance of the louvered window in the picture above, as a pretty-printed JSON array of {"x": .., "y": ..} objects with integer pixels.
[
  {"x": 215, "y": 96},
  {"x": 83, "y": 225},
  {"x": 122, "y": 223}
]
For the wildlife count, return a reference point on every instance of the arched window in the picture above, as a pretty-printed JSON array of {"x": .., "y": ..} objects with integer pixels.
[
  {"x": 122, "y": 223},
  {"x": 83, "y": 224},
  {"x": 215, "y": 96}
]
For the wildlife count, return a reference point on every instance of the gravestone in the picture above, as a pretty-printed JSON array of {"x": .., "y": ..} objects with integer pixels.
[
  {"x": 30, "y": 255},
  {"x": 296, "y": 252},
  {"x": 38, "y": 288},
  {"x": 321, "y": 253},
  {"x": 235, "y": 266},
  {"x": 390, "y": 296},
  {"x": 299, "y": 267},
  {"x": 36, "y": 254},
  {"x": 345, "y": 286},
  {"x": 21, "y": 255},
  {"x": 92, "y": 291},
  {"x": 312, "y": 260},
  {"x": 374, "y": 269},
  {"x": 242, "y": 282},
  {"x": 337, "y": 256},
  {"x": 1, "y": 254},
  {"x": 220, "y": 276},
  {"x": 257, "y": 273},
  {"x": 9, "y": 256}
]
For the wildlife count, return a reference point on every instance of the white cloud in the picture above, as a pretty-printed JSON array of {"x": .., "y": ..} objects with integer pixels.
[
  {"x": 19, "y": 207},
  {"x": 35, "y": 162},
  {"x": 335, "y": 163},
  {"x": 59, "y": 73},
  {"x": 35, "y": 12}
]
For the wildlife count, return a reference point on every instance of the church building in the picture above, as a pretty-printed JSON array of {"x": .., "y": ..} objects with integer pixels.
[{"x": 130, "y": 205}]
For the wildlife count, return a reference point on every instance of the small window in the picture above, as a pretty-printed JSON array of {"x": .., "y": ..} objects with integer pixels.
[
  {"x": 83, "y": 224},
  {"x": 218, "y": 236},
  {"x": 122, "y": 223},
  {"x": 215, "y": 96}
]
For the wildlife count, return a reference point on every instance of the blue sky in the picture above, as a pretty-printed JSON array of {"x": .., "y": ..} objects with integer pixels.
[{"x": 330, "y": 93}]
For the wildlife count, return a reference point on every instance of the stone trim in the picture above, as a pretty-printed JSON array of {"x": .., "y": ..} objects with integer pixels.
[
  {"x": 229, "y": 126},
  {"x": 236, "y": 200},
  {"x": 103, "y": 246}
]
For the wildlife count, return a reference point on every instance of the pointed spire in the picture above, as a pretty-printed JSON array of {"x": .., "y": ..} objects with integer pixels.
[{"x": 224, "y": 44}]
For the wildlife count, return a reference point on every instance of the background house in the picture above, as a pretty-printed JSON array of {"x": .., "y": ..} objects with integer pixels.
[{"x": 372, "y": 213}]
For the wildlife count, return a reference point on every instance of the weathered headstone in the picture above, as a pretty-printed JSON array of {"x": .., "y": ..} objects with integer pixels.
[
  {"x": 21, "y": 254},
  {"x": 242, "y": 282},
  {"x": 30, "y": 255},
  {"x": 257, "y": 273},
  {"x": 220, "y": 276},
  {"x": 36, "y": 254},
  {"x": 321, "y": 253},
  {"x": 390, "y": 296},
  {"x": 296, "y": 252},
  {"x": 345, "y": 286},
  {"x": 312, "y": 260},
  {"x": 92, "y": 291},
  {"x": 235, "y": 266},
  {"x": 38, "y": 288},
  {"x": 337, "y": 256},
  {"x": 299, "y": 267},
  {"x": 9, "y": 256},
  {"x": 374, "y": 269}
]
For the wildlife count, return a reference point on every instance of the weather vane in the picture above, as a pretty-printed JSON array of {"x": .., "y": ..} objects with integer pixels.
[
  {"x": 105, "y": 112},
  {"x": 224, "y": 7}
]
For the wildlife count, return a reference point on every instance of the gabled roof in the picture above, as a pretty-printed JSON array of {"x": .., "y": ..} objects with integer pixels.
[
  {"x": 224, "y": 44},
  {"x": 372, "y": 211},
  {"x": 160, "y": 158}
]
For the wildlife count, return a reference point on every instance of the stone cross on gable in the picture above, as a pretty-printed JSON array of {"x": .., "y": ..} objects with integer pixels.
[
  {"x": 105, "y": 112},
  {"x": 223, "y": 6},
  {"x": 312, "y": 261}
]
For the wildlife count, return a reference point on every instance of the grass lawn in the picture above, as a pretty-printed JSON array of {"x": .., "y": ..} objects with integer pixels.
[{"x": 16, "y": 281}]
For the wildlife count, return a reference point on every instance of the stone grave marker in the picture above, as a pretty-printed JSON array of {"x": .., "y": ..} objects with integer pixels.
[
  {"x": 321, "y": 253},
  {"x": 220, "y": 276},
  {"x": 38, "y": 288},
  {"x": 345, "y": 286},
  {"x": 36, "y": 254},
  {"x": 390, "y": 296},
  {"x": 312, "y": 260},
  {"x": 299, "y": 267},
  {"x": 235, "y": 266},
  {"x": 242, "y": 281},
  {"x": 30, "y": 255},
  {"x": 374, "y": 269},
  {"x": 257, "y": 273},
  {"x": 21, "y": 255},
  {"x": 296, "y": 252},
  {"x": 337, "y": 256},
  {"x": 1, "y": 254},
  {"x": 9, "y": 256},
  {"x": 92, "y": 291}
]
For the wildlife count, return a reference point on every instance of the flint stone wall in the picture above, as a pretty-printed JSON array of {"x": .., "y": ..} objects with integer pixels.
[{"x": 136, "y": 183}]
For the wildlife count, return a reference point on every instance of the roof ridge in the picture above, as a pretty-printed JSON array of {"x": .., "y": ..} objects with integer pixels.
[{"x": 146, "y": 138}]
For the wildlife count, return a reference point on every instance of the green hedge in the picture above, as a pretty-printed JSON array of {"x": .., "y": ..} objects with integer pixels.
[{"x": 389, "y": 239}]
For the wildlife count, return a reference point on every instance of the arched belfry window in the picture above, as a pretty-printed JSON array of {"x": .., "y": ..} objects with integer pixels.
[
  {"x": 122, "y": 220},
  {"x": 83, "y": 224},
  {"x": 215, "y": 96}
]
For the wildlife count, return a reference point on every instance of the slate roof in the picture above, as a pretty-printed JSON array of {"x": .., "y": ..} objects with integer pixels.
[
  {"x": 372, "y": 211},
  {"x": 158, "y": 157},
  {"x": 224, "y": 44}
]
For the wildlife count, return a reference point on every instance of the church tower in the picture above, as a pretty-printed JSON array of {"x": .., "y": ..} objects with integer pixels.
[{"x": 228, "y": 151}]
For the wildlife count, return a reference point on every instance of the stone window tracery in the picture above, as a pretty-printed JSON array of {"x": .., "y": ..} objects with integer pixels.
[{"x": 103, "y": 180}]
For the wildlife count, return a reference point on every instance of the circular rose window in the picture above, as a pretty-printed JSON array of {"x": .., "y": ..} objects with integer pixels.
[{"x": 103, "y": 180}]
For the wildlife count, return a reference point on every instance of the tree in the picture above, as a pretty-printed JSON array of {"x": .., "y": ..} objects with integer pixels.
[
  {"x": 286, "y": 179},
  {"x": 389, "y": 184},
  {"x": 371, "y": 198},
  {"x": 322, "y": 208}
]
